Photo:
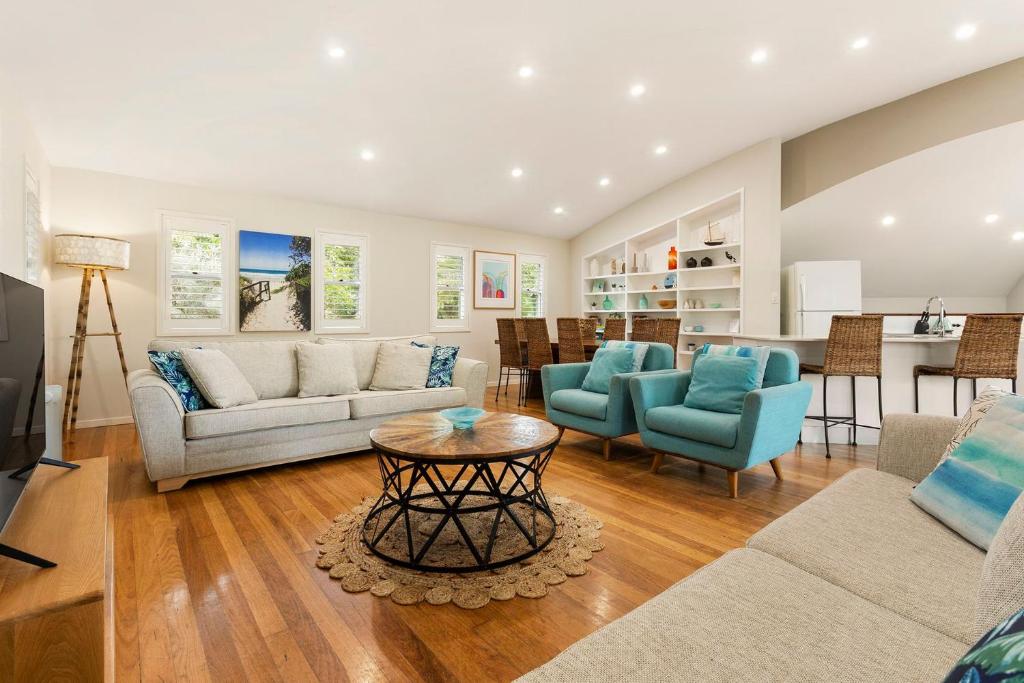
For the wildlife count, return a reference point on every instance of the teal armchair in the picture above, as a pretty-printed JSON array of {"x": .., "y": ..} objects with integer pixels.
[
  {"x": 768, "y": 426},
  {"x": 603, "y": 415}
]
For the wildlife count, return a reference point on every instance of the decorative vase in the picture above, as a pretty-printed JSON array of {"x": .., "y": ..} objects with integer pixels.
[
  {"x": 673, "y": 258},
  {"x": 607, "y": 304},
  {"x": 706, "y": 262},
  {"x": 691, "y": 262},
  {"x": 634, "y": 269},
  {"x": 614, "y": 266},
  {"x": 643, "y": 301},
  {"x": 595, "y": 268},
  {"x": 670, "y": 281}
]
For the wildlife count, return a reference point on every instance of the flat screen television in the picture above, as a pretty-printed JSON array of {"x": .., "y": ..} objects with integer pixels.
[{"x": 22, "y": 388}]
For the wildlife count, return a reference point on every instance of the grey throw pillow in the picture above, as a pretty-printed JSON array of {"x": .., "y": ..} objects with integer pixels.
[
  {"x": 219, "y": 380},
  {"x": 325, "y": 369},
  {"x": 401, "y": 366},
  {"x": 1001, "y": 590}
]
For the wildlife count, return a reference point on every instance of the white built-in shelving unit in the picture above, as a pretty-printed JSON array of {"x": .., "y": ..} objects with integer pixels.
[{"x": 707, "y": 296}]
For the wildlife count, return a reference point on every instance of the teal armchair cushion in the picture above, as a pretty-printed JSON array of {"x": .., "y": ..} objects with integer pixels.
[
  {"x": 720, "y": 429},
  {"x": 579, "y": 402},
  {"x": 720, "y": 383},
  {"x": 607, "y": 362}
]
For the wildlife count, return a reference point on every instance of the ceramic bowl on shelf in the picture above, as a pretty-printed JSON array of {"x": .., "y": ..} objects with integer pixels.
[
  {"x": 464, "y": 417},
  {"x": 688, "y": 328},
  {"x": 666, "y": 303},
  {"x": 714, "y": 305}
]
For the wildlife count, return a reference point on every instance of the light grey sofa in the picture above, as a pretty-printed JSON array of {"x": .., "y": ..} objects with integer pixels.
[
  {"x": 855, "y": 584},
  {"x": 280, "y": 427}
]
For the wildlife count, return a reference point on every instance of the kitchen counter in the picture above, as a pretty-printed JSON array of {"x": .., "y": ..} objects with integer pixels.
[{"x": 900, "y": 353}]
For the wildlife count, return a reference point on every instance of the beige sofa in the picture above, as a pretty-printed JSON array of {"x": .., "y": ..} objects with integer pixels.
[
  {"x": 280, "y": 427},
  {"x": 856, "y": 584}
]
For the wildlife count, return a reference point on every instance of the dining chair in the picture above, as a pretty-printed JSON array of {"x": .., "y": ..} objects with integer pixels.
[
  {"x": 510, "y": 356},
  {"x": 615, "y": 329},
  {"x": 988, "y": 349},
  {"x": 570, "y": 341},
  {"x": 667, "y": 332},
  {"x": 588, "y": 330},
  {"x": 853, "y": 349},
  {"x": 520, "y": 328},
  {"x": 538, "y": 351},
  {"x": 644, "y": 329}
]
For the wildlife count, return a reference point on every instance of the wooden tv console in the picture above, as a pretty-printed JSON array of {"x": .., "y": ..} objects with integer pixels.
[{"x": 54, "y": 623}]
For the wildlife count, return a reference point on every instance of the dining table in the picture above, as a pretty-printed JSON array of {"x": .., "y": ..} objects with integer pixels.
[{"x": 535, "y": 386}]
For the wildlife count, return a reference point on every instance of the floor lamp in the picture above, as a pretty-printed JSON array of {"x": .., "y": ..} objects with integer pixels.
[{"x": 93, "y": 255}]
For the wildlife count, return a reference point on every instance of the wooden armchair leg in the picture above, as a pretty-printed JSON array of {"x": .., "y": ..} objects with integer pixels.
[
  {"x": 656, "y": 463},
  {"x": 776, "y": 468},
  {"x": 606, "y": 448},
  {"x": 734, "y": 483}
]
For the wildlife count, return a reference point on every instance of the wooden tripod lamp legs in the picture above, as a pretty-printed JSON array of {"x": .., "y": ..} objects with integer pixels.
[{"x": 78, "y": 347}]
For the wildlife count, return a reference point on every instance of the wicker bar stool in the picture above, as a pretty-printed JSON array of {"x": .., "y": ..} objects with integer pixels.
[
  {"x": 644, "y": 329},
  {"x": 667, "y": 332},
  {"x": 510, "y": 356},
  {"x": 588, "y": 330},
  {"x": 570, "y": 341},
  {"x": 853, "y": 349},
  {"x": 988, "y": 350},
  {"x": 538, "y": 351},
  {"x": 615, "y": 329}
]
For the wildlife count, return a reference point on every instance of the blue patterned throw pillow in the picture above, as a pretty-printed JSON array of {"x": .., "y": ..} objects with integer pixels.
[
  {"x": 998, "y": 656},
  {"x": 442, "y": 365},
  {"x": 972, "y": 490},
  {"x": 168, "y": 364}
]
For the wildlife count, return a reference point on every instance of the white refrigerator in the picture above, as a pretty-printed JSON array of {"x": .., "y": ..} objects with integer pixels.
[{"x": 814, "y": 291}]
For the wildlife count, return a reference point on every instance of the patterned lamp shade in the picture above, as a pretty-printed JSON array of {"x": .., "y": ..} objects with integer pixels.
[{"x": 87, "y": 251}]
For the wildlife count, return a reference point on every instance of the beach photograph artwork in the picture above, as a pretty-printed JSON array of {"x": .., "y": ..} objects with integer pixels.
[{"x": 274, "y": 272}]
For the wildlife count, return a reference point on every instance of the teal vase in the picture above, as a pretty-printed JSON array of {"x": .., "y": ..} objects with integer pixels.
[
  {"x": 607, "y": 304},
  {"x": 643, "y": 301}
]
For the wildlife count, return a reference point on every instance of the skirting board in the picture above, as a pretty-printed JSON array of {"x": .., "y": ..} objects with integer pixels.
[{"x": 105, "y": 422}]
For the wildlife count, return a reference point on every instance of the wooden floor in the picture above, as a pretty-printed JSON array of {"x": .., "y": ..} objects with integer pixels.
[{"x": 217, "y": 582}]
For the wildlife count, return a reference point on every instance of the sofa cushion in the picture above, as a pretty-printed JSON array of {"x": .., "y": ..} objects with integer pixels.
[
  {"x": 607, "y": 363},
  {"x": 371, "y": 403},
  {"x": 401, "y": 367},
  {"x": 862, "y": 533},
  {"x": 1001, "y": 592},
  {"x": 325, "y": 370},
  {"x": 268, "y": 366},
  {"x": 580, "y": 402},
  {"x": 218, "y": 379},
  {"x": 751, "y": 617},
  {"x": 721, "y": 383},
  {"x": 705, "y": 426},
  {"x": 364, "y": 352},
  {"x": 268, "y": 414}
]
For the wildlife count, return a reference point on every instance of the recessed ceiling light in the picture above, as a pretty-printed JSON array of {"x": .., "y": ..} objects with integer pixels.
[
  {"x": 1018, "y": 236},
  {"x": 367, "y": 155},
  {"x": 525, "y": 71},
  {"x": 888, "y": 220},
  {"x": 604, "y": 182},
  {"x": 559, "y": 211},
  {"x": 758, "y": 56},
  {"x": 860, "y": 43},
  {"x": 964, "y": 31},
  {"x": 637, "y": 90},
  {"x": 991, "y": 218},
  {"x": 517, "y": 172},
  {"x": 660, "y": 149},
  {"x": 336, "y": 52}
]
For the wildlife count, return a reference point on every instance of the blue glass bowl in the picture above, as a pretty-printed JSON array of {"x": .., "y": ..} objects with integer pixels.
[{"x": 464, "y": 417}]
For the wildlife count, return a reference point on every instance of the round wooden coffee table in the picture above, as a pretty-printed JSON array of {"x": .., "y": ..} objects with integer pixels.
[{"x": 504, "y": 456}]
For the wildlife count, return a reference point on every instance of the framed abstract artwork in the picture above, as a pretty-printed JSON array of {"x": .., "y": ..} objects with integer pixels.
[
  {"x": 494, "y": 280},
  {"x": 274, "y": 273}
]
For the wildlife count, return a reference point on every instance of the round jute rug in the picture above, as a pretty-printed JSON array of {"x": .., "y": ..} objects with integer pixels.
[{"x": 345, "y": 555}]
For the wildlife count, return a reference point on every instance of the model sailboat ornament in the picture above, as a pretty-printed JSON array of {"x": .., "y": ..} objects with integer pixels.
[{"x": 715, "y": 235}]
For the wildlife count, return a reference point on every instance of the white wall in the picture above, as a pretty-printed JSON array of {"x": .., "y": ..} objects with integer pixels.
[
  {"x": 757, "y": 171},
  {"x": 1015, "y": 299},
  {"x": 954, "y": 304},
  {"x": 125, "y": 207}
]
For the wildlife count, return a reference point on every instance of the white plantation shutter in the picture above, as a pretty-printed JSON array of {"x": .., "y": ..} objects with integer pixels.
[
  {"x": 449, "y": 270},
  {"x": 340, "y": 276},
  {"x": 194, "y": 282},
  {"x": 532, "y": 274}
]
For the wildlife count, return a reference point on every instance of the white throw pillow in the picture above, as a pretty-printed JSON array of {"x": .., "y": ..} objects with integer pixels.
[
  {"x": 401, "y": 366},
  {"x": 364, "y": 352},
  {"x": 325, "y": 369},
  {"x": 219, "y": 380}
]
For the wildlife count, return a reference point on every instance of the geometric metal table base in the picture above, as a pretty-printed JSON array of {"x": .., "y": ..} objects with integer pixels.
[{"x": 419, "y": 486}]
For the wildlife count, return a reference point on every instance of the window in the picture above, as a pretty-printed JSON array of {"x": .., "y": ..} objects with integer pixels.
[
  {"x": 340, "y": 278},
  {"x": 196, "y": 256},
  {"x": 531, "y": 284},
  {"x": 449, "y": 272}
]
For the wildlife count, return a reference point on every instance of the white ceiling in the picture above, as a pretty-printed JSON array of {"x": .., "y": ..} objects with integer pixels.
[
  {"x": 939, "y": 242},
  {"x": 240, "y": 93}
]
